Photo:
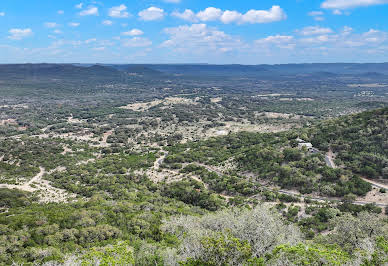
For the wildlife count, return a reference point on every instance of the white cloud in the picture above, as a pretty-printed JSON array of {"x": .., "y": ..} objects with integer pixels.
[
  {"x": 275, "y": 13},
  {"x": 314, "y": 30},
  {"x": 345, "y": 4},
  {"x": 2, "y": 14},
  {"x": 18, "y": 34},
  {"x": 210, "y": 14},
  {"x": 51, "y": 25},
  {"x": 317, "y": 39},
  {"x": 151, "y": 13},
  {"x": 119, "y": 11},
  {"x": 133, "y": 32},
  {"x": 79, "y": 6},
  {"x": 172, "y": 1},
  {"x": 90, "y": 11},
  {"x": 375, "y": 36},
  {"x": 231, "y": 16},
  {"x": 74, "y": 24},
  {"x": 57, "y": 31},
  {"x": 107, "y": 22},
  {"x": 136, "y": 42},
  {"x": 276, "y": 39},
  {"x": 61, "y": 12},
  {"x": 200, "y": 39},
  {"x": 187, "y": 15}
]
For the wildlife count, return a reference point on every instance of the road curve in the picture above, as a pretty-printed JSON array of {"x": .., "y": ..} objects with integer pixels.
[{"x": 291, "y": 193}]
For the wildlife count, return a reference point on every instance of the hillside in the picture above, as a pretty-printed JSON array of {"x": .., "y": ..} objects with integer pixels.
[
  {"x": 141, "y": 70},
  {"x": 185, "y": 204},
  {"x": 65, "y": 72},
  {"x": 360, "y": 142},
  {"x": 113, "y": 71},
  {"x": 333, "y": 69}
]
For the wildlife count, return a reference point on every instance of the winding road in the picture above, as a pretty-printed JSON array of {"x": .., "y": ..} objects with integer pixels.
[
  {"x": 48, "y": 193},
  {"x": 317, "y": 198}
]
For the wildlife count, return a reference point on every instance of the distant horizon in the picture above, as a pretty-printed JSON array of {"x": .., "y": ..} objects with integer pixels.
[
  {"x": 178, "y": 31},
  {"x": 210, "y": 64}
]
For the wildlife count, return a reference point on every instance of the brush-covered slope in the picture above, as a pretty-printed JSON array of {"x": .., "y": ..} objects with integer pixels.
[
  {"x": 58, "y": 71},
  {"x": 246, "y": 161},
  {"x": 360, "y": 141}
]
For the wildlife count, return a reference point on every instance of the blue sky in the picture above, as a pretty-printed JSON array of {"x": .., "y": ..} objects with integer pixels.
[{"x": 193, "y": 31}]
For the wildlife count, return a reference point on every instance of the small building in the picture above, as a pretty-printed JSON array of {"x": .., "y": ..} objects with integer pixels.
[{"x": 308, "y": 145}]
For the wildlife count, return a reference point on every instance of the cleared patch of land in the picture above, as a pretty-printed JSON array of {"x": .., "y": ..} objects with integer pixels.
[{"x": 45, "y": 191}]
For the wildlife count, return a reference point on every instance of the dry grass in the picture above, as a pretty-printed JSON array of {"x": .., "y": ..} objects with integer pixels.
[
  {"x": 167, "y": 102},
  {"x": 45, "y": 191}
]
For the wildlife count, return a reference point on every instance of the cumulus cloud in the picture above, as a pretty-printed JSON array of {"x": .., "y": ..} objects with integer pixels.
[
  {"x": 2, "y": 14},
  {"x": 90, "y": 11},
  {"x": 79, "y": 6},
  {"x": 375, "y": 36},
  {"x": 107, "y": 22},
  {"x": 151, "y": 13},
  {"x": 200, "y": 38},
  {"x": 133, "y": 32},
  {"x": 276, "y": 41},
  {"x": 209, "y": 14},
  {"x": 136, "y": 42},
  {"x": 172, "y": 1},
  {"x": 264, "y": 16},
  {"x": 314, "y": 30},
  {"x": 231, "y": 16},
  {"x": 275, "y": 13},
  {"x": 19, "y": 34},
  {"x": 60, "y": 12},
  {"x": 187, "y": 15},
  {"x": 118, "y": 11},
  {"x": 337, "y": 43},
  {"x": 345, "y": 4}
]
